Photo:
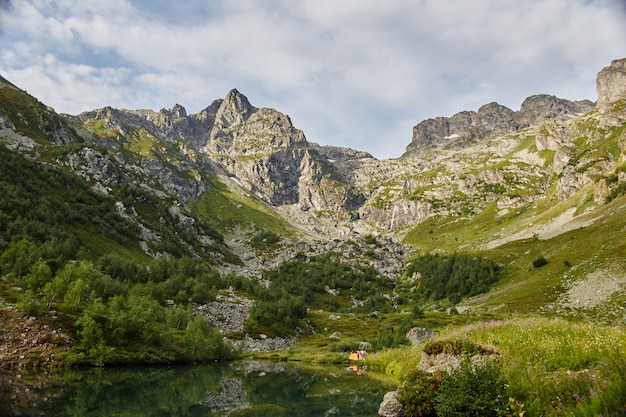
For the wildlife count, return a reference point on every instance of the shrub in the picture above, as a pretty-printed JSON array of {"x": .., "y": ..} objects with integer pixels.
[
  {"x": 472, "y": 390},
  {"x": 264, "y": 239},
  {"x": 418, "y": 312},
  {"x": 539, "y": 262},
  {"x": 370, "y": 239},
  {"x": 418, "y": 393},
  {"x": 201, "y": 342}
]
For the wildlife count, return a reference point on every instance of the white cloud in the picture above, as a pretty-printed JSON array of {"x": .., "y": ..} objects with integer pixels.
[{"x": 356, "y": 73}]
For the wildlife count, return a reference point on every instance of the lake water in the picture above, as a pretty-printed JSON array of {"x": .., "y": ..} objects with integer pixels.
[{"x": 237, "y": 389}]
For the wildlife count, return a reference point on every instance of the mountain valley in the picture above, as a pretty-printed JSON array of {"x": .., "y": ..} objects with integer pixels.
[{"x": 148, "y": 236}]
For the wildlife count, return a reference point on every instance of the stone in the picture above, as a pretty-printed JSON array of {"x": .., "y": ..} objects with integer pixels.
[
  {"x": 390, "y": 406},
  {"x": 418, "y": 335}
]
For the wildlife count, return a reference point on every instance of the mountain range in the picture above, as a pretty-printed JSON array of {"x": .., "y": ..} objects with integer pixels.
[
  {"x": 141, "y": 236},
  {"x": 224, "y": 185}
]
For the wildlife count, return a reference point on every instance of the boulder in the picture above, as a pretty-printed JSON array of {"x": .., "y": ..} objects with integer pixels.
[
  {"x": 419, "y": 335},
  {"x": 390, "y": 407}
]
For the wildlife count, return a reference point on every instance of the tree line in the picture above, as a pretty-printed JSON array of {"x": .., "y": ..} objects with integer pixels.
[{"x": 452, "y": 277}]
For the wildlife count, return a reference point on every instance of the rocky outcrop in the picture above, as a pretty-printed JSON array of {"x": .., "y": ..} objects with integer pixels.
[
  {"x": 611, "y": 83},
  {"x": 226, "y": 313},
  {"x": 390, "y": 406},
  {"x": 418, "y": 335},
  {"x": 462, "y": 128},
  {"x": 273, "y": 160},
  {"x": 92, "y": 164},
  {"x": 26, "y": 116},
  {"x": 338, "y": 153},
  {"x": 539, "y": 107},
  {"x": 491, "y": 119}
]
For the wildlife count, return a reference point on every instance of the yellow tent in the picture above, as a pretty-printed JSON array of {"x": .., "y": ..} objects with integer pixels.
[{"x": 353, "y": 357}]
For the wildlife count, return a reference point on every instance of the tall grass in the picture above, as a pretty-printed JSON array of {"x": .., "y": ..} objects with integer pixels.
[
  {"x": 398, "y": 362},
  {"x": 556, "y": 367}
]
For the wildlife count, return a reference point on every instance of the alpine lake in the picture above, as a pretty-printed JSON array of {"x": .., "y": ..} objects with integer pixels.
[{"x": 235, "y": 389}]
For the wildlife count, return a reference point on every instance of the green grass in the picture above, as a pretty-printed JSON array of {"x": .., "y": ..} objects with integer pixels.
[
  {"x": 227, "y": 211},
  {"x": 142, "y": 142},
  {"x": 553, "y": 367},
  {"x": 556, "y": 367},
  {"x": 526, "y": 289},
  {"x": 349, "y": 330},
  {"x": 98, "y": 128},
  {"x": 99, "y": 246}
]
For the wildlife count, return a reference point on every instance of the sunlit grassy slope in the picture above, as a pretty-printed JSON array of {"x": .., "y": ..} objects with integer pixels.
[{"x": 228, "y": 211}]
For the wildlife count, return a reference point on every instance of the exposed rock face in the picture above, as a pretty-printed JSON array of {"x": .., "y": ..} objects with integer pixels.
[
  {"x": 337, "y": 153},
  {"x": 273, "y": 159},
  {"x": 232, "y": 113},
  {"x": 539, "y": 107},
  {"x": 491, "y": 119},
  {"x": 462, "y": 128},
  {"x": 611, "y": 83},
  {"x": 390, "y": 407}
]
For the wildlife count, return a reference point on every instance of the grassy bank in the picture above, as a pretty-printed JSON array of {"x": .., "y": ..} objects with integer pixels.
[{"x": 553, "y": 367}]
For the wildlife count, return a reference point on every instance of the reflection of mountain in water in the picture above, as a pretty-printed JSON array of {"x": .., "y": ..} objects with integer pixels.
[{"x": 253, "y": 388}]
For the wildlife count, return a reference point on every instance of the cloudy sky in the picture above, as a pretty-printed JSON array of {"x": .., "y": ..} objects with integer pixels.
[{"x": 357, "y": 73}]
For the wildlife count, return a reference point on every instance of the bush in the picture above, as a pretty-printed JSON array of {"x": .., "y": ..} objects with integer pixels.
[
  {"x": 202, "y": 343},
  {"x": 418, "y": 393},
  {"x": 472, "y": 390},
  {"x": 264, "y": 239},
  {"x": 417, "y": 312},
  {"x": 539, "y": 262}
]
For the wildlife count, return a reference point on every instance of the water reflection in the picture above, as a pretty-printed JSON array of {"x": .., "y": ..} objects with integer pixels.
[{"x": 242, "y": 388}]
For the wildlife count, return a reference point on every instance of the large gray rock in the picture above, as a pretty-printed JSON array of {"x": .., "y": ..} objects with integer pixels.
[
  {"x": 462, "y": 128},
  {"x": 418, "y": 335},
  {"x": 390, "y": 407}
]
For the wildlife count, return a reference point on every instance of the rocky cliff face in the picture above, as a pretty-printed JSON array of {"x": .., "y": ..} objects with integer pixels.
[
  {"x": 258, "y": 147},
  {"x": 492, "y": 119},
  {"x": 611, "y": 83}
]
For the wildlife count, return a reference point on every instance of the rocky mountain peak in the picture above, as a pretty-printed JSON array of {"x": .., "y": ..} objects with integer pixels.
[
  {"x": 543, "y": 106},
  {"x": 177, "y": 112},
  {"x": 492, "y": 119},
  {"x": 235, "y": 109},
  {"x": 611, "y": 82},
  {"x": 462, "y": 128}
]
